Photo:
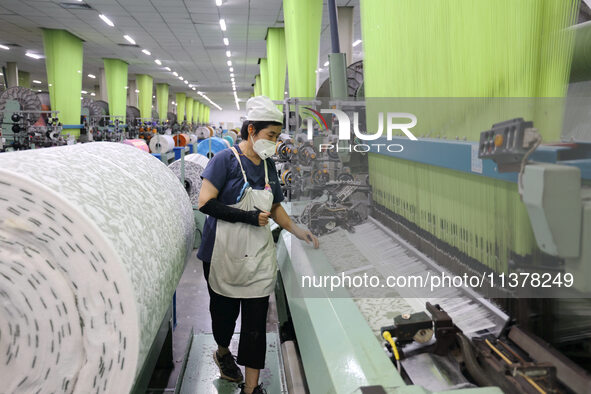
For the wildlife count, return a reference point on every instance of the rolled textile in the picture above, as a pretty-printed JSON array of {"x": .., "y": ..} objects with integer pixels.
[
  {"x": 229, "y": 139},
  {"x": 181, "y": 139},
  {"x": 193, "y": 138},
  {"x": 211, "y": 146},
  {"x": 233, "y": 135},
  {"x": 138, "y": 143},
  {"x": 204, "y": 132},
  {"x": 86, "y": 276},
  {"x": 194, "y": 166},
  {"x": 161, "y": 143}
]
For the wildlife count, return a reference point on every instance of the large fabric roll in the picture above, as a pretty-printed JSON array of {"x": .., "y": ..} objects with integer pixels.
[
  {"x": 86, "y": 274},
  {"x": 138, "y": 143},
  {"x": 233, "y": 135},
  {"x": 181, "y": 139},
  {"x": 193, "y": 138},
  {"x": 211, "y": 146},
  {"x": 161, "y": 143},
  {"x": 194, "y": 166},
  {"x": 229, "y": 139},
  {"x": 204, "y": 132}
]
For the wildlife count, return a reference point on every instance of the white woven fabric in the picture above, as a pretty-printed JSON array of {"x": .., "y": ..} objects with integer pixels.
[{"x": 86, "y": 272}]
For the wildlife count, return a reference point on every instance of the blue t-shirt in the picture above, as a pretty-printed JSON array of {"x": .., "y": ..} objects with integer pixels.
[{"x": 223, "y": 171}]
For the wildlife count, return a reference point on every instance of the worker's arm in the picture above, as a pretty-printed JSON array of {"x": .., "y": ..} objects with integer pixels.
[
  {"x": 282, "y": 218},
  {"x": 210, "y": 205}
]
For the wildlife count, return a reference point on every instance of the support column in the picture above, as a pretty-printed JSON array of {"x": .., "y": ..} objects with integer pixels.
[
  {"x": 63, "y": 63},
  {"x": 102, "y": 95},
  {"x": 11, "y": 74},
  {"x": 189, "y": 110},
  {"x": 303, "y": 20},
  {"x": 195, "y": 111},
  {"x": 162, "y": 100},
  {"x": 345, "y": 16},
  {"x": 145, "y": 84},
  {"x": 24, "y": 79},
  {"x": 264, "y": 77},
  {"x": 131, "y": 93},
  {"x": 257, "y": 85},
  {"x": 276, "y": 62},
  {"x": 116, "y": 76},
  {"x": 207, "y": 110},
  {"x": 180, "y": 107}
]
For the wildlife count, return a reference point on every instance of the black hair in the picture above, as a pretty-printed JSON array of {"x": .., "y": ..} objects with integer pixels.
[{"x": 258, "y": 126}]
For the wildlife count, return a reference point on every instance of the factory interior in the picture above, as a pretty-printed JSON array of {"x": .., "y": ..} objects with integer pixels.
[{"x": 454, "y": 242}]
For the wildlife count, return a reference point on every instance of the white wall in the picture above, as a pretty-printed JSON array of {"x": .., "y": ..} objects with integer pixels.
[{"x": 215, "y": 117}]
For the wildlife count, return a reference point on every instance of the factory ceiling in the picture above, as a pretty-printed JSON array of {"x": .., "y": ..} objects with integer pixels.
[{"x": 185, "y": 35}]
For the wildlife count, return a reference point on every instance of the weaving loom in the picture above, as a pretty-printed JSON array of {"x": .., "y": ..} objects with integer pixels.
[{"x": 460, "y": 67}]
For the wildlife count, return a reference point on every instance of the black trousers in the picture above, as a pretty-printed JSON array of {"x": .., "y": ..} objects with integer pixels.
[{"x": 253, "y": 334}]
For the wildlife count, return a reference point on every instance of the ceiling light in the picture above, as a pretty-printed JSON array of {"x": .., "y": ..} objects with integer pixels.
[
  {"x": 232, "y": 79},
  {"x": 231, "y": 69},
  {"x": 137, "y": 90},
  {"x": 173, "y": 102},
  {"x": 35, "y": 81},
  {"x": 83, "y": 92},
  {"x": 175, "y": 73},
  {"x": 229, "y": 62},
  {"x": 153, "y": 96},
  {"x": 92, "y": 94},
  {"x": 228, "y": 54},
  {"x": 127, "y": 87},
  {"x": 326, "y": 63},
  {"x": 158, "y": 62},
  {"x": 231, "y": 74},
  {"x": 167, "y": 68},
  {"x": 194, "y": 88},
  {"x": 39, "y": 90},
  {"x": 218, "y": 2},
  {"x": 128, "y": 38},
  {"x": 91, "y": 76},
  {"x": 106, "y": 20},
  {"x": 33, "y": 55},
  {"x": 186, "y": 81},
  {"x": 7, "y": 48},
  {"x": 223, "y": 24},
  {"x": 181, "y": 78},
  {"x": 226, "y": 42},
  {"x": 356, "y": 43},
  {"x": 146, "y": 52}
]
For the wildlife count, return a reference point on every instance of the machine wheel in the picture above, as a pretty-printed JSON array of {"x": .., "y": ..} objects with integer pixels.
[{"x": 27, "y": 99}]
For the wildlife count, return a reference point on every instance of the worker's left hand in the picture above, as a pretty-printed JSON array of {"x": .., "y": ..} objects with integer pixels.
[{"x": 306, "y": 235}]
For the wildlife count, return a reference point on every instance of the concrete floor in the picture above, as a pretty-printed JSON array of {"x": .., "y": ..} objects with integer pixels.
[{"x": 193, "y": 314}]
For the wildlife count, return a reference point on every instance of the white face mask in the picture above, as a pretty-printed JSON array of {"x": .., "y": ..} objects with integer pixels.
[{"x": 263, "y": 147}]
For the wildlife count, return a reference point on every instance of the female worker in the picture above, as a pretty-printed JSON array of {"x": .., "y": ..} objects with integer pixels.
[{"x": 240, "y": 191}]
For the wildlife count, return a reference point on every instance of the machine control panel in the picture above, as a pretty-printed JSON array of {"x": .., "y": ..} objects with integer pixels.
[{"x": 507, "y": 143}]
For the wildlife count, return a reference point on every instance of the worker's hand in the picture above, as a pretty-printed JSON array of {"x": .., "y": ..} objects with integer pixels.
[
  {"x": 306, "y": 235},
  {"x": 264, "y": 218}
]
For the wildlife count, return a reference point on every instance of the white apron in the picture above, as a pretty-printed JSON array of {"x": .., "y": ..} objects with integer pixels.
[{"x": 244, "y": 261}]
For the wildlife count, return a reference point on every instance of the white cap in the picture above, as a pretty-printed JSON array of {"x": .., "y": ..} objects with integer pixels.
[{"x": 261, "y": 108}]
